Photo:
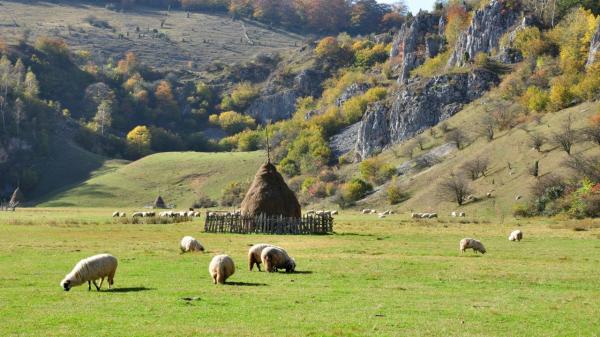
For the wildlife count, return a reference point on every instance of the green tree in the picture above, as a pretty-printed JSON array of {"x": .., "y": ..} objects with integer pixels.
[{"x": 138, "y": 140}]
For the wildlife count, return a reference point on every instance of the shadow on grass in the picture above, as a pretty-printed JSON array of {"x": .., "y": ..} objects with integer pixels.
[
  {"x": 352, "y": 234},
  {"x": 245, "y": 284},
  {"x": 302, "y": 272},
  {"x": 129, "y": 290}
]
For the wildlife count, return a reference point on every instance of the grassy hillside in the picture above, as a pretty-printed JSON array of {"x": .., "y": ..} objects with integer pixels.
[
  {"x": 180, "y": 177},
  {"x": 508, "y": 147},
  {"x": 374, "y": 277},
  {"x": 198, "y": 40}
]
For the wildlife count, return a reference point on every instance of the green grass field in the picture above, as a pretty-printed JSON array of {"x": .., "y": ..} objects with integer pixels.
[
  {"x": 374, "y": 277},
  {"x": 180, "y": 177}
]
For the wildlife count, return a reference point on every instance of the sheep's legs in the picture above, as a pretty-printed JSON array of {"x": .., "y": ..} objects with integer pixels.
[
  {"x": 101, "y": 281},
  {"x": 89, "y": 285},
  {"x": 96, "y": 285}
]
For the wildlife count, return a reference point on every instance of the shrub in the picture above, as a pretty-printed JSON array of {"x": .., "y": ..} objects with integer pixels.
[
  {"x": 432, "y": 66},
  {"x": 529, "y": 42},
  {"x": 233, "y": 122},
  {"x": 369, "y": 56},
  {"x": 535, "y": 99},
  {"x": 374, "y": 170},
  {"x": 204, "y": 201},
  {"x": 52, "y": 47},
  {"x": 289, "y": 167},
  {"x": 394, "y": 194},
  {"x": 234, "y": 193},
  {"x": 240, "y": 97},
  {"x": 249, "y": 141},
  {"x": 356, "y": 189}
]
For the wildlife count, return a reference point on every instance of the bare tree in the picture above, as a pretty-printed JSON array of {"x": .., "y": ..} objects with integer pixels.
[
  {"x": 426, "y": 161},
  {"x": 104, "y": 115},
  {"x": 536, "y": 140},
  {"x": 420, "y": 140},
  {"x": 488, "y": 125},
  {"x": 584, "y": 166},
  {"x": 534, "y": 170},
  {"x": 592, "y": 133},
  {"x": 476, "y": 167},
  {"x": 455, "y": 188},
  {"x": 566, "y": 137},
  {"x": 458, "y": 137},
  {"x": 408, "y": 151}
]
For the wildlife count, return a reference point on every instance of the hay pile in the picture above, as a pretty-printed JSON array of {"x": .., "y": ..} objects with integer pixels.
[
  {"x": 17, "y": 197},
  {"x": 270, "y": 195},
  {"x": 159, "y": 202}
]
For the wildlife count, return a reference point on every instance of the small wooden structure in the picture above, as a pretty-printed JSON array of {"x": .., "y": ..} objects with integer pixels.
[
  {"x": 219, "y": 222},
  {"x": 159, "y": 203}
]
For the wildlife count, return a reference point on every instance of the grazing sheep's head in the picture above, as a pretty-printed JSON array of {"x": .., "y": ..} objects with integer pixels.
[
  {"x": 291, "y": 266},
  {"x": 66, "y": 284}
]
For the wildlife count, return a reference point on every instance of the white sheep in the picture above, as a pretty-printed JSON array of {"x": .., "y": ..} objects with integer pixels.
[
  {"x": 221, "y": 268},
  {"x": 516, "y": 235},
  {"x": 123, "y": 215},
  {"x": 254, "y": 254},
  {"x": 138, "y": 215},
  {"x": 415, "y": 215},
  {"x": 116, "y": 214},
  {"x": 454, "y": 214},
  {"x": 189, "y": 244},
  {"x": 468, "y": 243},
  {"x": 91, "y": 269},
  {"x": 277, "y": 258},
  {"x": 366, "y": 211},
  {"x": 334, "y": 212}
]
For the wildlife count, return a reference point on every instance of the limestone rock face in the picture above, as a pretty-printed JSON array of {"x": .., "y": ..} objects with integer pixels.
[
  {"x": 417, "y": 106},
  {"x": 487, "y": 27},
  {"x": 420, "y": 34},
  {"x": 594, "y": 48}
]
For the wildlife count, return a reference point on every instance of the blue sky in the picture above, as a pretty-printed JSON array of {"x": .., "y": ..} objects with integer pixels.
[{"x": 414, "y": 5}]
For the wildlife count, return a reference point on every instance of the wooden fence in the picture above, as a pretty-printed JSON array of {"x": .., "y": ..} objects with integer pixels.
[{"x": 234, "y": 223}]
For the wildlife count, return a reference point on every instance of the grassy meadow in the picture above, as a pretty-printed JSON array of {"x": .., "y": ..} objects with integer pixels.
[
  {"x": 179, "y": 177},
  {"x": 373, "y": 277}
]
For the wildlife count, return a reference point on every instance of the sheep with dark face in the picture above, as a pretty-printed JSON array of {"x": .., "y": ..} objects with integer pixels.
[
  {"x": 220, "y": 268},
  {"x": 91, "y": 269},
  {"x": 190, "y": 244},
  {"x": 516, "y": 235},
  {"x": 276, "y": 258},
  {"x": 254, "y": 254},
  {"x": 468, "y": 243}
]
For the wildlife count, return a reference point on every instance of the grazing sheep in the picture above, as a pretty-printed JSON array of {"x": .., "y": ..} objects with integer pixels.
[
  {"x": 91, "y": 269},
  {"x": 116, "y": 214},
  {"x": 334, "y": 212},
  {"x": 123, "y": 215},
  {"x": 462, "y": 214},
  {"x": 276, "y": 258},
  {"x": 432, "y": 215},
  {"x": 254, "y": 254},
  {"x": 366, "y": 211},
  {"x": 469, "y": 243},
  {"x": 515, "y": 235},
  {"x": 454, "y": 214},
  {"x": 373, "y": 211},
  {"x": 189, "y": 244},
  {"x": 138, "y": 215},
  {"x": 415, "y": 215},
  {"x": 220, "y": 268},
  {"x": 518, "y": 197}
]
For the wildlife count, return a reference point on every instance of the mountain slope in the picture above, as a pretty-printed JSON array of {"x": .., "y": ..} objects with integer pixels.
[
  {"x": 179, "y": 177},
  {"x": 509, "y": 147}
]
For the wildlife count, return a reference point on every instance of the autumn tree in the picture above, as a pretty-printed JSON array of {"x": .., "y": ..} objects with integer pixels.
[
  {"x": 325, "y": 15},
  {"x": 138, "y": 140},
  {"x": 31, "y": 86},
  {"x": 366, "y": 15}
]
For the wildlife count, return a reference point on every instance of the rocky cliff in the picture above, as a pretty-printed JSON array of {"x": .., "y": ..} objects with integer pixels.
[
  {"x": 487, "y": 27},
  {"x": 278, "y": 99},
  {"x": 416, "y": 41},
  {"x": 417, "y": 106},
  {"x": 594, "y": 47}
]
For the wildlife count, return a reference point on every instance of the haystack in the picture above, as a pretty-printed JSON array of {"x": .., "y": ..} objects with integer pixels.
[
  {"x": 17, "y": 197},
  {"x": 270, "y": 195},
  {"x": 159, "y": 202}
]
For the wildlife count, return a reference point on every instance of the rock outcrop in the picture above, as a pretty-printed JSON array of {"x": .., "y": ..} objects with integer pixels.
[
  {"x": 487, "y": 27},
  {"x": 417, "y": 106},
  {"x": 594, "y": 48},
  {"x": 276, "y": 104},
  {"x": 274, "y": 107},
  {"x": 413, "y": 38},
  {"x": 352, "y": 90}
]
